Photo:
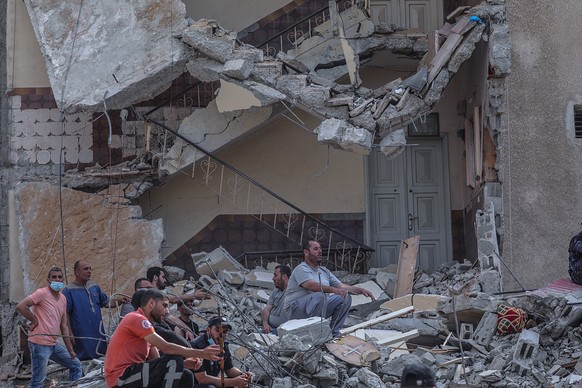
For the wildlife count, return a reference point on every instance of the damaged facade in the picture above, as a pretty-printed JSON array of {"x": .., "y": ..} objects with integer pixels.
[{"x": 380, "y": 124}]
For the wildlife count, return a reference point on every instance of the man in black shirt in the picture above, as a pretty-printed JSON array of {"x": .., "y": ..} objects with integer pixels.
[{"x": 209, "y": 374}]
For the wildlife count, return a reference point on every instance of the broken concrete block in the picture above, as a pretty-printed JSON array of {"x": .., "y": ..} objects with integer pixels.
[
  {"x": 373, "y": 288},
  {"x": 393, "y": 144},
  {"x": 525, "y": 351},
  {"x": 387, "y": 282},
  {"x": 289, "y": 344},
  {"x": 207, "y": 37},
  {"x": 218, "y": 259},
  {"x": 466, "y": 331},
  {"x": 205, "y": 69},
  {"x": 486, "y": 328},
  {"x": 175, "y": 274},
  {"x": 282, "y": 382},
  {"x": 261, "y": 279},
  {"x": 291, "y": 84},
  {"x": 267, "y": 72},
  {"x": 500, "y": 49},
  {"x": 314, "y": 95},
  {"x": 235, "y": 279},
  {"x": 138, "y": 54},
  {"x": 369, "y": 378},
  {"x": 237, "y": 68},
  {"x": 341, "y": 134},
  {"x": 263, "y": 339},
  {"x": 314, "y": 327}
]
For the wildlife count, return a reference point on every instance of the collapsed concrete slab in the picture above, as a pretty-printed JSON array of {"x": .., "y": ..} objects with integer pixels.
[
  {"x": 92, "y": 223},
  {"x": 207, "y": 126},
  {"x": 125, "y": 51},
  {"x": 316, "y": 328}
]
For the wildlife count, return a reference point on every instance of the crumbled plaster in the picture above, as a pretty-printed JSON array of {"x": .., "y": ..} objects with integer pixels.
[{"x": 102, "y": 229}]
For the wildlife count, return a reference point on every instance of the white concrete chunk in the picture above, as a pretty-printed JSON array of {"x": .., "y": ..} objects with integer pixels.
[
  {"x": 237, "y": 68},
  {"x": 124, "y": 49},
  {"x": 218, "y": 259},
  {"x": 204, "y": 69},
  {"x": 260, "y": 279},
  {"x": 373, "y": 288}
]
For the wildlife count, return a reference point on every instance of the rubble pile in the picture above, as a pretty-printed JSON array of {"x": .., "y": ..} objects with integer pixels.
[
  {"x": 450, "y": 323},
  {"x": 455, "y": 331}
]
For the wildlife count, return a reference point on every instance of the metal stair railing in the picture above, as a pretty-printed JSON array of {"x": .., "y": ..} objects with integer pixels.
[
  {"x": 292, "y": 36},
  {"x": 342, "y": 251}
]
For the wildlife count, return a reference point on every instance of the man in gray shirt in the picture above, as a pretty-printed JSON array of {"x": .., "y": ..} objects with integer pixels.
[
  {"x": 313, "y": 291},
  {"x": 274, "y": 313}
]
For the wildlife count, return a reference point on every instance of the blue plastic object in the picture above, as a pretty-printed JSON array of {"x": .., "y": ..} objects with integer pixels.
[{"x": 476, "y": 19}]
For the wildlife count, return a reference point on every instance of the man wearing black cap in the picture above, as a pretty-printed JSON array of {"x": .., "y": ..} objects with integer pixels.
[{"x": 209, "y": 374}]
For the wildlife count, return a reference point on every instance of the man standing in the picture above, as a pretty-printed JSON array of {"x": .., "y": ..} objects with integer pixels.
[
  {"x": 274, "y": 313},
  {"x": 47, "y": 322},
  {"x": 84, "y": 302},
  {"x": 133, "y": 358},
  {"x": 209, "y": 374},
  {"x": 309, "y": 286},
  {"x": 157, "y": 276}
]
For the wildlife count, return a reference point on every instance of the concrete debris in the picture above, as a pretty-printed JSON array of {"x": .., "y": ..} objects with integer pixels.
[
  {"x": 211, "y": 53},
  {"x": 133, "y": 66},
  {"x": 446, "y": 302}
]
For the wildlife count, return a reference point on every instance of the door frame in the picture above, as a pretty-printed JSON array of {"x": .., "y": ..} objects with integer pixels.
[{"x": 443, "y": 137}]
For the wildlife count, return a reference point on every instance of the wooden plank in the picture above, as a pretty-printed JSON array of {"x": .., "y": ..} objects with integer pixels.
[
  {"x": 443, "y": 55},
  {"x": 406, "y": 266},
  {"x": 397, "y": 338},
  {"x": 478, "y": 144},
  {"x": 445, "y": 30},
  {"x": 379, "y": 319},
  {"x": 460, "y": 25},
  {"x": 469, "y": 153},
  {"x": 457, "y": 12},
  {"x": 420, "y": 302}
]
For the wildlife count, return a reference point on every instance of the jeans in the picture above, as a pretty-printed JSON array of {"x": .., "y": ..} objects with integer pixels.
[{"x": 40, "y": 354}]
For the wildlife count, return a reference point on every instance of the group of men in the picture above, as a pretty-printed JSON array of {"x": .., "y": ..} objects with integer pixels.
[{"x": 133, "y": 356}]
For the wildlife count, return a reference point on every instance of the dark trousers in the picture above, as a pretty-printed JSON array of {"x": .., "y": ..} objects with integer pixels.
[{"x": 165, "y": 372}]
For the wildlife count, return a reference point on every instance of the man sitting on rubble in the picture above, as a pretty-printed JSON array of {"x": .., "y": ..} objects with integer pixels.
[
  {"x": 313, "y": 291},
  {"x": 157, "y": 276},
  {"x": 133, "y": 358},
  {"x": 140, "y": 284},
  {"x": 209, "y": 374},
  {"x": 274, "y": 313},
  {"x": 575, "y": 259},
  {"x": 183, "y": 325}
]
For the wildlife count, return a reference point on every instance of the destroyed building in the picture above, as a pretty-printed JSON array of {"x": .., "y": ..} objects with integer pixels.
[{"x": 168, "y": 130}]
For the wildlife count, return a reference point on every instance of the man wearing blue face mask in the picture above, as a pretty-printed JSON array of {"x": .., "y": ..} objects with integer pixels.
[{"x": 48, "y": 320}]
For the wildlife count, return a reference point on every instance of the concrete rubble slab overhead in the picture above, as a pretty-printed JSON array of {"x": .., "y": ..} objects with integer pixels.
[{"x": 126, "y": 50}]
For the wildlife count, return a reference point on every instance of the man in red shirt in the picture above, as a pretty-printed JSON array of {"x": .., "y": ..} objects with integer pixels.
[{"x": 133, "y": 360}]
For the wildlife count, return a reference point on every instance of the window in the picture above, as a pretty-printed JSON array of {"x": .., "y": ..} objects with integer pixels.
[
  {"x": 428, "y": 125},
  {"x": 578, "y": 121}
]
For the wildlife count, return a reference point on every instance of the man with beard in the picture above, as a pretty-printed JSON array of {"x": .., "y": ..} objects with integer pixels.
[
  {"x": 157, "y": 276},
  {"x": 313, "y": 291},
  {"x": 84, "y": 302},
  {"x": 133, "y": 358},
  {"x": 274, "y": 313}
]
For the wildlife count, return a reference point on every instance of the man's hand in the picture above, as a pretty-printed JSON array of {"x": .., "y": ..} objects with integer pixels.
[
  {"x": 32, "y": 325},
  {"x": 241, "y": 380},
  {"x": 193, "y": 363},
  {"x": 266, "y": 328},
  {"x": 340, "y": 291},
  {"x": 368, "y": 294},
  {"x": 211, "y": 353},
  {"x": 200, "y": 295},
  {"x": 72, "y": 353}
]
